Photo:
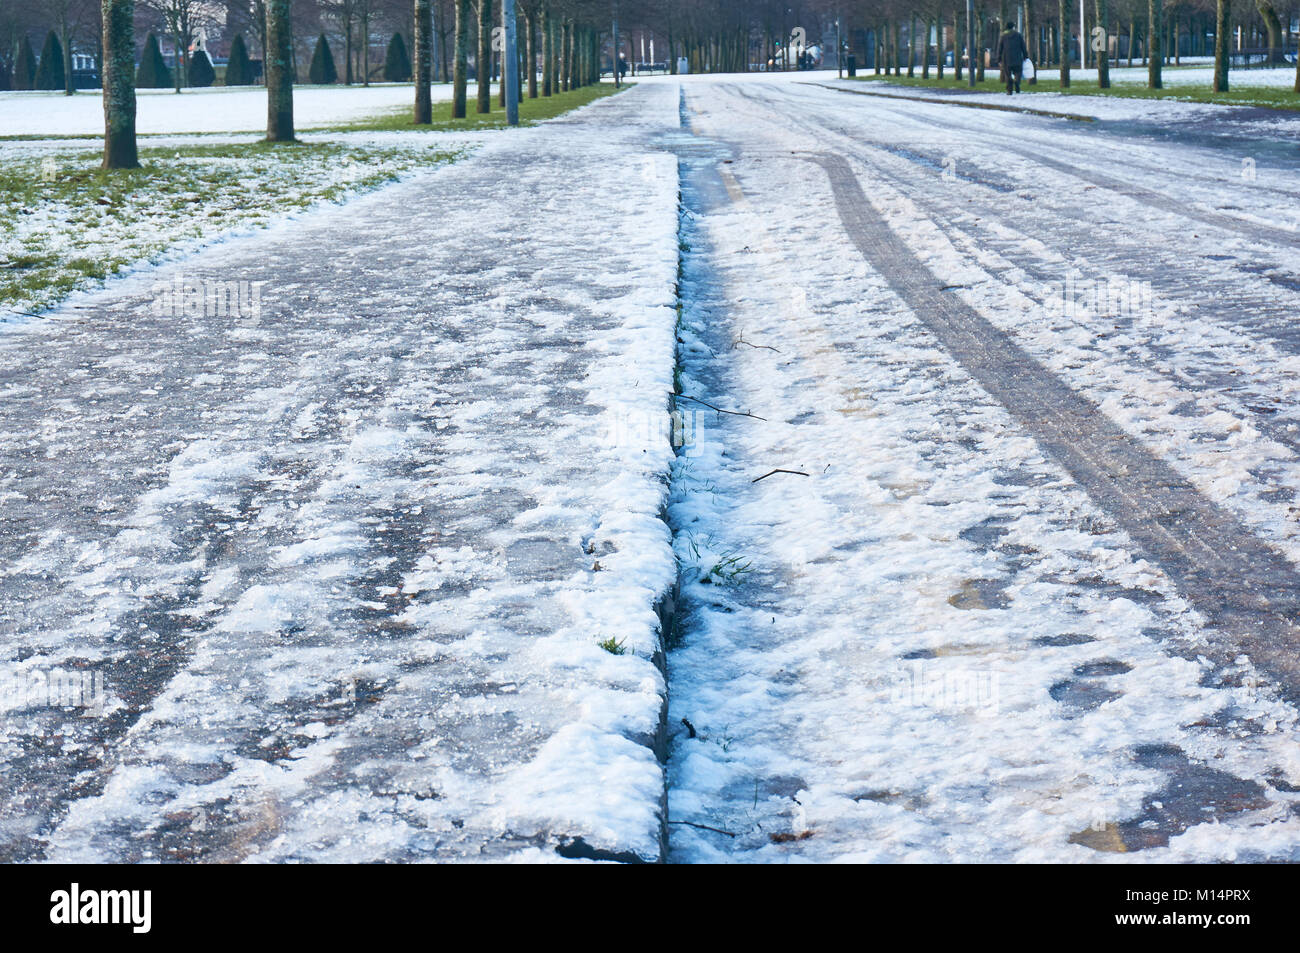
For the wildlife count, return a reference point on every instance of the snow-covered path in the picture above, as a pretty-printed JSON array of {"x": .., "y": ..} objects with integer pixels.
[
  {"x": 991, "y": 558},
  {"x": 1029, "y": 593},
  {"x": 344, "y": 563}
]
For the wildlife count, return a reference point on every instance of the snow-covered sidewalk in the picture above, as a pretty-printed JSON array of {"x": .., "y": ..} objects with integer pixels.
[{"x": 357, "y": 523}]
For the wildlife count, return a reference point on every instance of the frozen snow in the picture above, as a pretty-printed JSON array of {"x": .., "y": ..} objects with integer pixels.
[
  {"x": 942, "y": 650},
  {"x": 215, "y": 109}
]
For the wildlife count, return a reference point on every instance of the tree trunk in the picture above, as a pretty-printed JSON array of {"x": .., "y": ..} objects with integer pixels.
[
  {"x": 279, "y": 72},
  {"x": 1035, "y": 48},
  {"x": 422, "y": 71},
  {"x": 548, "y": 51},
  {"x": 365, "y": 50},
  {"x": 565, "y": 56},
  {"x": 1155, "y": 33},
  {"x": 119, "y": 85},
  {"x": 68, "y": 88},
  {"x": 484, "y": 67},
  {"x": 179, "y": 66},
  {"x": 460, "y": 70},
  {"x": 1103, "y": 55},
  {"x": 1274, "y": 27},
  {"x": 530, "y": 56},
  {"x": 347, "y": 52},
  {"x": 571, "y": 56},
  {"x": 1222, "y": 11},
  {"x": 1067, "y": 14},
  {"x": 501, "y": 87},
  {"x": 957, "y": 45},
  {"x": 911, "y": 47}
]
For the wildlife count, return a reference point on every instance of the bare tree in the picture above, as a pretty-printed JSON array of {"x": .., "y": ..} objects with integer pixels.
[
  {"x": 365, "y": 13},
  {"x": 344, "y": 13},
  {"x": 68, "y": 17}
]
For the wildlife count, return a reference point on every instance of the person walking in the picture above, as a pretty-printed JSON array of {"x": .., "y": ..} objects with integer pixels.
[{"x": 1012, "y": 53}]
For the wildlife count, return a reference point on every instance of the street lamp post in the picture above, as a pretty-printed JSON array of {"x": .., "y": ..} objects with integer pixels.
[{"x": 510, "y": 75}]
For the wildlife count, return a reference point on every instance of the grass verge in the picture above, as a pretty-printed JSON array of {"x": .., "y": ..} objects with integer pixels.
[
  {"x": 531, "y": 111},
  {"x": 66, "y": 224},
  {"x": 1268, "y": 97}
]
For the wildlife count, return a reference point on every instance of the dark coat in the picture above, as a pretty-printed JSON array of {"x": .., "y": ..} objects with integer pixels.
[{"x": 1012, "y": 51}]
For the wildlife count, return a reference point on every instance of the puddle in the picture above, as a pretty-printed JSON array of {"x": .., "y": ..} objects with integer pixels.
[
  {"x": 987, "y": 534},
  {"x": 1192, "y": 794},
  {"x": 980, "y": 594},
  {"x": 1069, "y": 638},
  {"x": 1080, "y": 697},
  {"x": 1102, "y": 668}
]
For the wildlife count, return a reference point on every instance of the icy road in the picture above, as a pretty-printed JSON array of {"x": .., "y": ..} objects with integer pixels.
[{"x": 990, "y": 555}]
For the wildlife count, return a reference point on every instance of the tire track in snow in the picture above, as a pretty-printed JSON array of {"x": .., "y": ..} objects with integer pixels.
[
  {"x": 1246, "y": 589},
  {"x": 1221, "y": 385},
  {"x": 1148, "y": 197}
]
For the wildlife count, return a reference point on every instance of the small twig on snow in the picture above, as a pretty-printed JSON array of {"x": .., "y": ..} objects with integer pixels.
[
  {"x": 705, "y": 827},
  {"x": 734, "y": 413},
  {"x": 766, "y": 475}
]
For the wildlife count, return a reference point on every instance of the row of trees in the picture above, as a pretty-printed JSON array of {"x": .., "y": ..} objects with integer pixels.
[
  {"x": 1092, "y": 32},
  {"x": 563, "y": 40},
  {"x": 560, "y": 50},
  {"x": 353, "y": 27},
  {"x": 732, "y": 35}
]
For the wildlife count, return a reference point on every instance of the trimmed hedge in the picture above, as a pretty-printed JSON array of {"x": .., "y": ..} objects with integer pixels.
[
  {"x": 322, "y": 71},
  {"x": 239, "y": 70},
  {"x": 49, "y": 75},
  {"x": 152, "y": 72},
  {"x": 25, "y": 66},
  {"x": 201, "y": 71},
  {"x": 397, "y": 65}
]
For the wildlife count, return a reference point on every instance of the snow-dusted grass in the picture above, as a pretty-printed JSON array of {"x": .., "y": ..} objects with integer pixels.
[
  {"x": 398, "y": 118},
  {"x": 65, "y": 224},
  {"x": 216, "y": 109},
  {"x": 1272, "y": 88}
]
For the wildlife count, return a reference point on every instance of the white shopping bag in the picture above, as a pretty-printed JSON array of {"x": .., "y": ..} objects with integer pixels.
[{"x": 1027, "y": 68}]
